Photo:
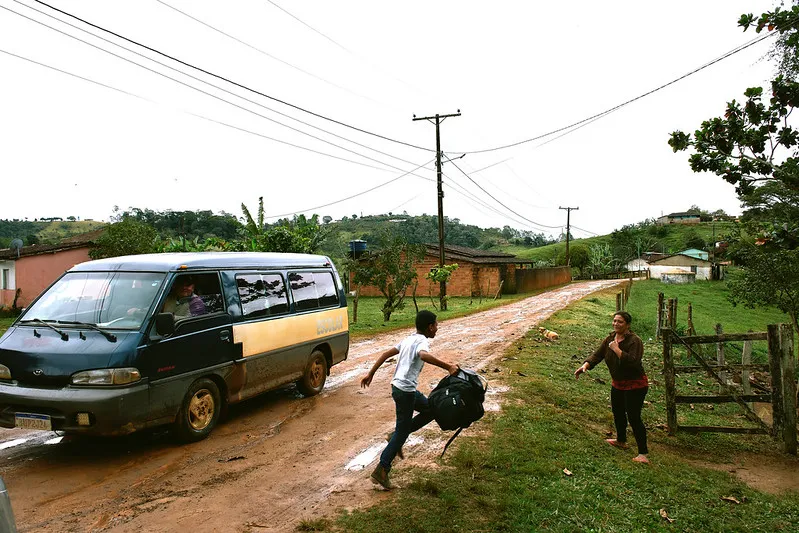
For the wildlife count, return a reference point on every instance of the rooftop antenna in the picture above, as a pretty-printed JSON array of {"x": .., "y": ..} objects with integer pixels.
[{"x": 16, "y": 244}]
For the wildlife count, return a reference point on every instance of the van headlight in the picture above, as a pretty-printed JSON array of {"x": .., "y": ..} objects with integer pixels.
[
  {"x": 5, "y": 372},
  {"x": 106, "y": 376}
]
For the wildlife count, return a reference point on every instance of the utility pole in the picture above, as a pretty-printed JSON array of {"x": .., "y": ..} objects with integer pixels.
[
  {"x": 438, "y": 120},
  {"x": 568, "y": 216}
]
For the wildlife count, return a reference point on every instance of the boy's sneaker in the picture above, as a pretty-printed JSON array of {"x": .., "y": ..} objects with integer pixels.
[
  {"x": 380, "y": 477},
  {"x": 399, "y": 452}
]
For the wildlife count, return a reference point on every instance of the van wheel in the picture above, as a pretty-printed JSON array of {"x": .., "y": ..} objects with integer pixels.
[
  {"x": 313, "y": 380},
  {"x": 199, "y": 411}
]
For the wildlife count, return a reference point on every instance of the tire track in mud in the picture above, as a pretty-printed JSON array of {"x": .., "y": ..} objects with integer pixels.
[{"x": 276, "y": 461}]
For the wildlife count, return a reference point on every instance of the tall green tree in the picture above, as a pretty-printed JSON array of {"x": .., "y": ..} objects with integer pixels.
[
  {"x": 128, "y": 237},
  {"x": 390, "y": 268},
  {"x": 755, "y": 147}
]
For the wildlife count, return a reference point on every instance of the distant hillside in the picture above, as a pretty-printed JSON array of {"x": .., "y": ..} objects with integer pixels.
[
  {"x": 43, "y": 232},
  {"x": 671, "y": 238}
]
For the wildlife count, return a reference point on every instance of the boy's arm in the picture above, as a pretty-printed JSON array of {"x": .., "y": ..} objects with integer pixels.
[
  {"x": 427, "y": 357},
  {"x": 367, "y": 380}
]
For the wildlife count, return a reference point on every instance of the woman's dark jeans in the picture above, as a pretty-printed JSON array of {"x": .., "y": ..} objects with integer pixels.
[
  {"x": 406, "y": 403},
  {"x": 627, "y": 405}
]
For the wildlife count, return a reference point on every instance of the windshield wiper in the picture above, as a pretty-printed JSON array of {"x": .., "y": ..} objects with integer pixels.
[
  {"x": 107, "y": 334},
  {"x": 64, "y": 335}
]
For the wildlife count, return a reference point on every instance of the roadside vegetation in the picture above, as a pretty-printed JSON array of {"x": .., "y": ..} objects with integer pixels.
[{"x": 541, "y": 463}]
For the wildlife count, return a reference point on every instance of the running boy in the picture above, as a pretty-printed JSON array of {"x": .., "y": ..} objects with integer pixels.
[{"x": 414, "y": 352}]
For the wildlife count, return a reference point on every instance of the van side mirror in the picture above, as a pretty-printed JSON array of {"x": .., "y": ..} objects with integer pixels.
[{"x": 165, "y": 324}]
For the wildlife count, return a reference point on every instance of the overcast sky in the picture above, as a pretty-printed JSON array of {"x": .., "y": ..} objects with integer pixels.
[{"x": 515, "y": 70}]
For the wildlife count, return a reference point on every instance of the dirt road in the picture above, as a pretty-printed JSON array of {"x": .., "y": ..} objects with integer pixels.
[{"x": 273, "y": 462}]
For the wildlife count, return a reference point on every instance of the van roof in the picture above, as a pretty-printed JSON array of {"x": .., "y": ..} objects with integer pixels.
[{"x": 202, "y": 260}]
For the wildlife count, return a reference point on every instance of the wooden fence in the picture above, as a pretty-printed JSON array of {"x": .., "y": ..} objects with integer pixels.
[{"x": 781, "y": 366}]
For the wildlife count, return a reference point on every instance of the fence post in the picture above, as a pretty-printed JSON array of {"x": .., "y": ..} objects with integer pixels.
[
  {"x": 775, "y": 369},
  {"x": 668, "y": 376},
  {"x": 355, "y": 304},
  {"x": 720, "y": 360},
  {"x": 746, "y": 359},
  {"x": 674, "y": 316},
  {"x": 788, "y": 365},
  {"x": 618, "y": 302},
  {"x": 670, "y": 314},
  {"x": 660, "y": 316},
  {"x": 691, "y": 330}
]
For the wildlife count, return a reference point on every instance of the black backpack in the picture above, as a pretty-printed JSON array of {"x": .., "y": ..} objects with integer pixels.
[{"x": 457, "y": 401}]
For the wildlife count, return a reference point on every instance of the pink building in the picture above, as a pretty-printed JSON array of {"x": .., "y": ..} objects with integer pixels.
[{"x": 26, "y": 272}]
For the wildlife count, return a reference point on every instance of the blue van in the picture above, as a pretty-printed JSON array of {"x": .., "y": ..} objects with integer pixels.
[{"x": 126, "y": 343}]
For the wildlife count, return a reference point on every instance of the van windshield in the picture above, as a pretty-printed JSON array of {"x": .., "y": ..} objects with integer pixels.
[{"x": 105, "y": 299}]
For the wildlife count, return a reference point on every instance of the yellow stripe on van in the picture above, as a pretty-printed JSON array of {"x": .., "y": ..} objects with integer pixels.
[{"x": 267, "y": 335}]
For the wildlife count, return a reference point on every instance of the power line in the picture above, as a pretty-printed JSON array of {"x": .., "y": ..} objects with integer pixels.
[
  {"x": 354, "y": 195},
  {"x": 244, "y": 130},
  {"x": 221, "y": 89},
  {"x": 623, "y": 104},
  {"x": 75, "y": 75},
  {"x": 267, "y": 54},
  {"x": 217, "y": 98},
  {"x": 242, "y": 86},
  {"x": 503, "y": 205}
]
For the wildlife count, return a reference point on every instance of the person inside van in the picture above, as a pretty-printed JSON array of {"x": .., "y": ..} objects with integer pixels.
[{"x": 182, "y": 302}]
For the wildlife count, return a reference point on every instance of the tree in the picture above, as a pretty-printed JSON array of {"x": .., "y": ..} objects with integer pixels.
[
  {"x": 768, "y": 279},
  {"x": 578, "y": 257},
  {"x": 390, "y": 268},
  {"x": 298, "y": 235},
  {"x": 754, "y": 147},
  {"x": 127, "y": 237},
  {"x": 600, "y": 260}
]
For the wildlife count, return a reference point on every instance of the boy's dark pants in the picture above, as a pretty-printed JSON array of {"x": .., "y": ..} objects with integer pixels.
[{"x": 406, "y": 403}]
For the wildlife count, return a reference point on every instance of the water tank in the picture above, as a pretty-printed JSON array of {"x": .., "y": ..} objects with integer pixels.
[{"x": 357, "y": 248}]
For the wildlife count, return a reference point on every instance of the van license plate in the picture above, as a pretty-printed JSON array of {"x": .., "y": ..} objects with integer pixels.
[{"x": 32, "y": 421}]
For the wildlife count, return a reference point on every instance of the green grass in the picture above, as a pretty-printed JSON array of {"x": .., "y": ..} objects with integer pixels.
[
  {"x": 506, "y": 472},
  {"x": 5, "y": 323},
  {"x": 370, "y": 316}
]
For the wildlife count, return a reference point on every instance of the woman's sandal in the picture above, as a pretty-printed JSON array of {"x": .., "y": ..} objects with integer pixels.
[
  {"x": 617, "y": 444},
  {"x": 641, "y": 458}
]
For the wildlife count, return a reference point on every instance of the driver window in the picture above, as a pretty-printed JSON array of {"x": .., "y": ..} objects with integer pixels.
[{"x": 194, "y": 295}]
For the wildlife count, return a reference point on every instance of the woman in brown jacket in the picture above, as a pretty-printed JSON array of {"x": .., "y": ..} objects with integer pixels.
[{"x": 622, "y": 351}]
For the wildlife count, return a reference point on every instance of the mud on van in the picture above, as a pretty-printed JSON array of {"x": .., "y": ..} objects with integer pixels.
[{"x": 121, "y": 344}]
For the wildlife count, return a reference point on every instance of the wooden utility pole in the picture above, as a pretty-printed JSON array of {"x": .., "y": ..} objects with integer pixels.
[
  {"x": 568, "y": 216},
  {"x": 438, "y": 120}
]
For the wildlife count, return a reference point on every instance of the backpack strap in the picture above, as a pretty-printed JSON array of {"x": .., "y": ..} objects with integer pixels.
[{"x": 450, "y": 441}]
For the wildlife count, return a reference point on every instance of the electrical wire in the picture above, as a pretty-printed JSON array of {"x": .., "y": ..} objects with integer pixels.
[
  {"x": 503, "y": 205},
  {"x": 227, "y": 80},
  {"x": 76, "y": 76},
  {"x": 267, "y": 54},
  {"x": 352, "y": 196},
  {"x": 623, "y": 104},
  {"x": 213, "y": 96},
  {"x": 224, "y": 90}
]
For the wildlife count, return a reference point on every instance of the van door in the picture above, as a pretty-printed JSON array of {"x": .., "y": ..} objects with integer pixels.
[{"x": 203, "y": 339}]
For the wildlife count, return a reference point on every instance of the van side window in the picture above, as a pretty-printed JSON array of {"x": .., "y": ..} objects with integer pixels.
[
  {"x": 262, "y": 294},
  {"x": 313, "y": 289},
  {"x": 194, "y": 295}
]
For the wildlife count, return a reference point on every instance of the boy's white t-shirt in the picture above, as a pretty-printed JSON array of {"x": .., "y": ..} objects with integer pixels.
[{"x": 409, "y": 364}]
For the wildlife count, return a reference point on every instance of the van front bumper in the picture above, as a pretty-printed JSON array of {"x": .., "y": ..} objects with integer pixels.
[{"x": 112, "y": 411}]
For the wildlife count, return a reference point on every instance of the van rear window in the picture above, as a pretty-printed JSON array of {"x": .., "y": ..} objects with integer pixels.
[
  {"x": 312, "y": 290},
  {"x": 262, "y": 294}
]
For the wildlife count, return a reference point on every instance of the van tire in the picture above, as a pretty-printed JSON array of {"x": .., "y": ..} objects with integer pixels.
[
  {"x": 199, "y": 411},
  {"x": 315, "y": 375}
]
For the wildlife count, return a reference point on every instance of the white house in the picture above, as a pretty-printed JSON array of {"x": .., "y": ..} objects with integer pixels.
[{"x": 681, "y": 263}]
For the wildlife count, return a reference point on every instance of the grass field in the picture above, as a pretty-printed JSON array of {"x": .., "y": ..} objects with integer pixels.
[
  {"x": 506, "y": 473},
  {"x": 370, "y": 316}
]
